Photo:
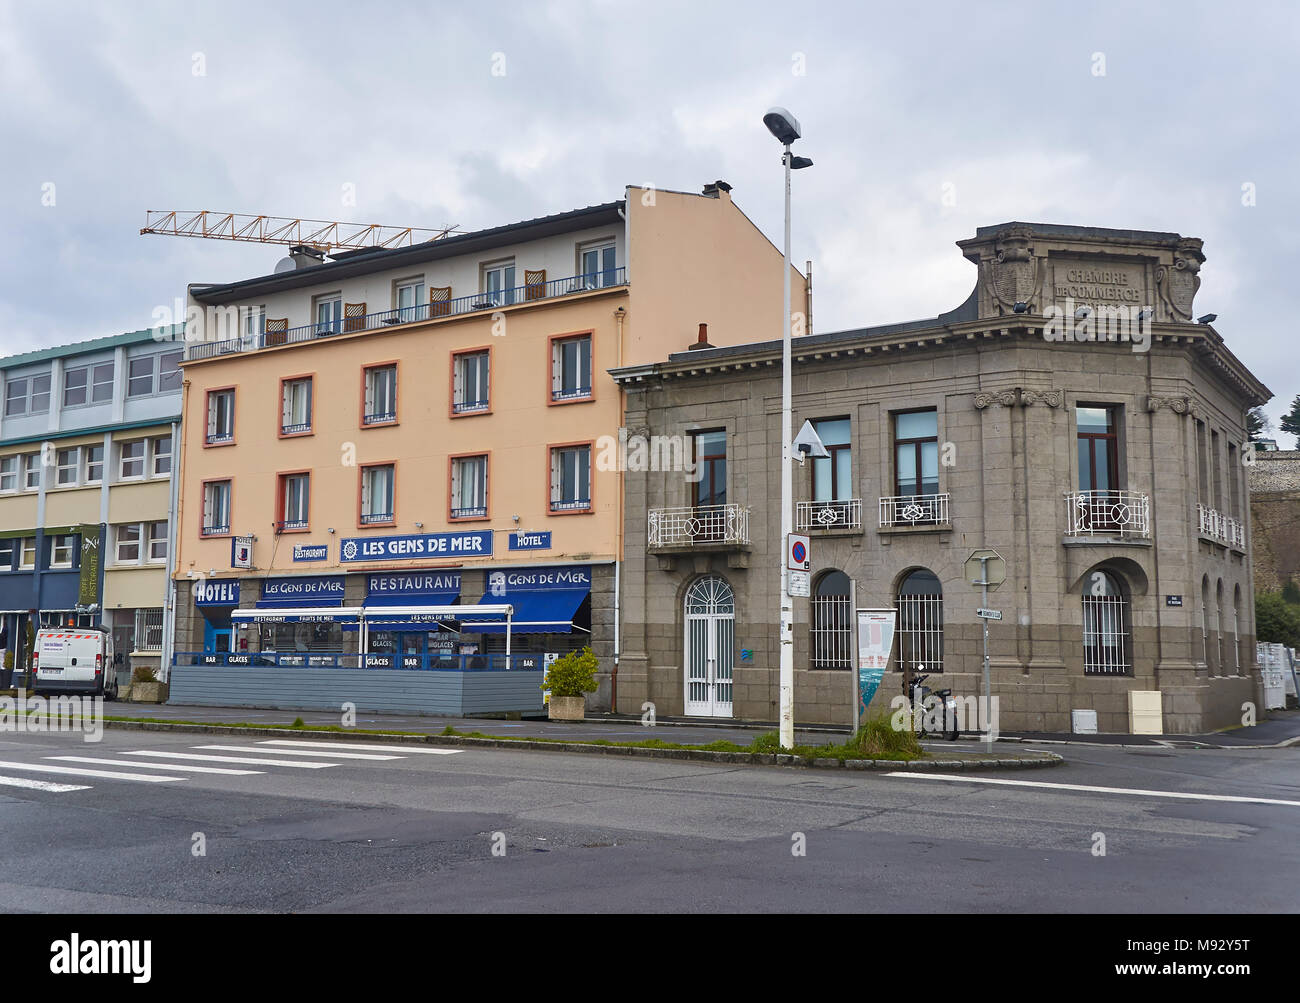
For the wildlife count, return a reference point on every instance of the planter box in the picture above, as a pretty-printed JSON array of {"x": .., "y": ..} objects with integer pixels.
[
  {"x": 149, "y": 692},
  {"x": 567, "y": 708}
]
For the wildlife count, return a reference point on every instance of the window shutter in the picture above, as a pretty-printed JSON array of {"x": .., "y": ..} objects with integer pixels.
[
  {"x": 390, "y": 405},
  {"x": 212, "y": 415},
  {"x": 372, "y": 375},
  {"x": 485, "y": 375},
  {"x": 286, "y": 405},
  {"x": 455, "y": 483},
  {"x": 555, "y": 474},
  {"x": 458, "y": 380},
  {"x": 207, "y": 504},
  {"x": 557, "y": 369},
  {"x": 584, "y": 363}
]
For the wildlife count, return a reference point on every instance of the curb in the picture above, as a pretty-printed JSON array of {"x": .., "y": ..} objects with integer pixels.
[{"x": 527, "y": 745}]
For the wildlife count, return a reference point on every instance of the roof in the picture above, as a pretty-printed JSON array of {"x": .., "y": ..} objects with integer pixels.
[
  {"x": 361, "y": 262},
  {"x": 172, "y": 332},
  {"x": 1081, "y": 232}
]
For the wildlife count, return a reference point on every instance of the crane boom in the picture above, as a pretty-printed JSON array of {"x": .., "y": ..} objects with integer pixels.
[{"x": 325, "y": 234}]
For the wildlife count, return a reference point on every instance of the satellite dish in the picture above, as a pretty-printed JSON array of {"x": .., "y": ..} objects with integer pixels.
[
  {"x": 808, "y": 443},
  {"x": 285, "y": 265}
]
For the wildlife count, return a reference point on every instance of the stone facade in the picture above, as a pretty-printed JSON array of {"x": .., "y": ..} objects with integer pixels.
[
  {"x": 1275, "y": 512},
  {"x": 1004, "y": 386}
]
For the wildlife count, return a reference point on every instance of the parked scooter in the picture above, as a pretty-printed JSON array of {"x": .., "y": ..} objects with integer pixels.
[{"x": 921, "y": 696}]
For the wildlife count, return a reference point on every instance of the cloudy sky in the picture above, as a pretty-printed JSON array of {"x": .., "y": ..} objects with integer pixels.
[{"x": 1145, "y": 116}]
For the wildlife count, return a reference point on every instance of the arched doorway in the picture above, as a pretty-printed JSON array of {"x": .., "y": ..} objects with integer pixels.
[
  {"x": 920, "y": 622},
  {"x": 710, "y": 642}
]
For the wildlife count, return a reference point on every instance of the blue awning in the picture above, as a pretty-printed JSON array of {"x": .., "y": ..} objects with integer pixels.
[
  {"x": 549, "y": 611},
  {"x": 298, "y": 603}
]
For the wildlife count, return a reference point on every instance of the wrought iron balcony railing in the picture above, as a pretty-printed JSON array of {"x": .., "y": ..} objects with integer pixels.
[
  {"x": 1125, "y": 514},
  {"x": 914, "y": 510},
  {"x": 843, "y": 514},
  {"x": 690, "y": 526}
]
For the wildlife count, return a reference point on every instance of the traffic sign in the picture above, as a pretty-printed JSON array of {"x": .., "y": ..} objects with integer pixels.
[
  {"x": 976, "y": 566},
  {"x": 798, "y": 553},
  {"x": 989, "y": 614}
]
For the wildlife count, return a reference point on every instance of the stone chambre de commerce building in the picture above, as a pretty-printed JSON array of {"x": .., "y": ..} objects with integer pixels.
[{"x": 1109, "y": 478}]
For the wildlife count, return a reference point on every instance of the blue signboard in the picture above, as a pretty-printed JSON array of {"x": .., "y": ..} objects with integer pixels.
[
  {"x": 576, "y": 576},
  {"x": 311, "y": 551},
  {"x": 413, "y": 583},
  {"x": 217, "y": 592},
  {"x": 405, "y": 548},
  {"x": 530, "y": 541},
  {"x": 299, "y": 590}
]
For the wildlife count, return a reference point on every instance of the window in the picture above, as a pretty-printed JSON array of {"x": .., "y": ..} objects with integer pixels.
[
  {"x": 381, "y": 395},
  {"x": 68, "y": 464},
  {"x": 8, "y": 473},
  {"x": 15, "y": 398},
  {"x": 469, "y": 487},
  {"x": 162, "y": 456},
  {"x": 139, "y": 372},
  {"x": 571, "y": 478},
  {"x": 132, "y": 465},
  {"x": 408, "y": 297},
  {"x": 833, "y": 478},
  {"x": 40, "y": 400},
  {"x": 295, "y": 406},
  {"x": 470, "y": 382},
  {"x": 94, "y": 464},
  {"x": 1098, "y": 448},
  {"x": 169, "y": 371},
  {"x": 158, "y": 541},
  {"x": 597, "y": 265},
  {"x": 216, "y": 508},
  {"x": 62, "y": 550},
  {"x": 377, "y": 494},
  {"x": 832, "y": 622},
  {"x": 27, "y": 557},
  {"x": 27, "y": 395},
  {"x": 254, "y": 323},
  {"x": 329, "y": 314},
  {"x": 571, "y": 368},
  {"x": 1105, "y": 626},
  {"x": 127, "y": 543},
  {"x": 710, "y": 455},
  {"x": 920, "y": 623},
  {"x": 7, "y": 548},
  {"x": 221, "y": 417},
  {"x": 75, "y": 384},
  {"x": 32, "y": 471},
  {"x": 916, "y": 453},
  {"x": 499, "y": 283},
  {"x": 295, "y": 492},
  {"x": 101, "y": 383}
]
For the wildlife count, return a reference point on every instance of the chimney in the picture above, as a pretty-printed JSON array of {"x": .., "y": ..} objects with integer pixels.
[
  {"x": 306, "y": 255},
  {"x": 718, "y": 189},
  {"x": 703, "y": 340}
]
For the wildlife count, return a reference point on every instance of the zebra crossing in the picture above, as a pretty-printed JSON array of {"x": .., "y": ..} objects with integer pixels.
[{"x": 65, "y": 773}]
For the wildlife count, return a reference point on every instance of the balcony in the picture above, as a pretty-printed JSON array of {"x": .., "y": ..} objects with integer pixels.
[
  {"x": 829, "y": 515},
  {"x": 376, "y": 518},
  {"x": 496, "y": 299},
  {"x": 1220, "y": 528},
  {"x": 1108, "y": 514},
  {"x": 902, "y": 511},
  {"x": 689, "y": 527}
]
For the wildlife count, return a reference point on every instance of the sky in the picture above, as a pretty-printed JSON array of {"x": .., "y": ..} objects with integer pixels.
[{"x": 923, "y": 120}]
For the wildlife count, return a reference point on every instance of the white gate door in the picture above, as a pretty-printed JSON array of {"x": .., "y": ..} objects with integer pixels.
[{"x": 709, "y": 646}]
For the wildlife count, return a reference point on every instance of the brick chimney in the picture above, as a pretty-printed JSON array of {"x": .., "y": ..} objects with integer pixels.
[
  {"x": 718, "y": 189},
  {"x": 703, "y": 340}
]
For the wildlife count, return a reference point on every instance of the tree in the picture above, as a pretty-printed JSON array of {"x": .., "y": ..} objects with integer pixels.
[
  {"x": 1276, "y": 620},
  {"x": 1257, "y": 424},
  {"x": 1291, "y": 420},
  {"x": 1291, "y": 592}
]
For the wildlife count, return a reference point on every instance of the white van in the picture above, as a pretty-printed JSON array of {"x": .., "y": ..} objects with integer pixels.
[{"x": 74, "y": 660}]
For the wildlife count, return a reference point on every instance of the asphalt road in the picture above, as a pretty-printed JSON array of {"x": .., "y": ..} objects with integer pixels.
[{"x": 598, "y": 833}]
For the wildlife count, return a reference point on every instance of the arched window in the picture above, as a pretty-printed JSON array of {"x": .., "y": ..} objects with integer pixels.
[
  {"x": 1236, "y": 630},
  {"x": 1106, "y": 620},
  {"x": 1205, "y": 622},
  {"x": 920, "y": 622},
  {"x": 1219, "y": 664},
  {"x": 831, "y": 633}
]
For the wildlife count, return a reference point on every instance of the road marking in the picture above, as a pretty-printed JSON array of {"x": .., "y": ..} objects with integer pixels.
[
  {"x": 160, "y": 766},
  {"x": 105, "y": 774},
  {"x": 1094, "y": 790},
  {"x": 293, "y": 764},
  {"x": 356, "y": 745},
  {"x": 294, "y": 752},
  {"x": 41, "y": 785}
]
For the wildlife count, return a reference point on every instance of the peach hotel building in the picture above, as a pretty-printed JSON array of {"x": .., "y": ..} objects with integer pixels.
[{"x": 373, "y": 437}]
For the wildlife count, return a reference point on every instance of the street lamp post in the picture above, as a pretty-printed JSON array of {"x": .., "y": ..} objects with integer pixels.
[{"x": 785, "y": 127}]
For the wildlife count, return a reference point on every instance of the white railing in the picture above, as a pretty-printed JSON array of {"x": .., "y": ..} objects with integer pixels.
[
  {"x": 1108, "y": 513},
  {"x": 914, "y": 510},
  {"x": 846, "y": 514},
  {"x": 695, "y": 525},
  {"x": 1218, "y": 526}
]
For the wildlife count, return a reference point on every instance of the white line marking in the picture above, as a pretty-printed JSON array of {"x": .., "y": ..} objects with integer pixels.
[
  {"x": 294, "y": 752},
  {"x": 41, "y": 785},
  {"x": 161, "y": 766},
  {"x": 230, "y": 759},
  {"x": 1093, "y": 790},
  {"x": 105, "y": 774},
  {"x": 373, "y": 748}
]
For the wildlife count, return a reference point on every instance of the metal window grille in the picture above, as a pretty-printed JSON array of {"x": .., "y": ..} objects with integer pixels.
[
  {"x": 148, "y": 629},
  {"x": 1105, "y": 635},
  {"x": 920, "y": 633},
  {"x": 1236, "y": 641},
  {"x": 832, "y": 632}
]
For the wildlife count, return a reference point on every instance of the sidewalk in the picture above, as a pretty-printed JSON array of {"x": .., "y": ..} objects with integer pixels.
[{"x": 1277, "y": 727}]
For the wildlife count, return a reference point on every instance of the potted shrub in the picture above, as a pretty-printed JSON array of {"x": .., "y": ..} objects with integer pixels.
[
  {"x": 568, "y": 678},
  {"x": 145, "y": 687}
]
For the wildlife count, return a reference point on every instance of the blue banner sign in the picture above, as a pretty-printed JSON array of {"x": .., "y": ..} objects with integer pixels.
[
  {"x": 217, "y": 592},
  {"x": 413, "y": 583},
  {"x": 324, "y": 587},
  {"x": 530, "y": 541},
  {"x": 311, "y": 551},
  {"x": 577, "y": 576},
  {"x": 404, "y": 548}
]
